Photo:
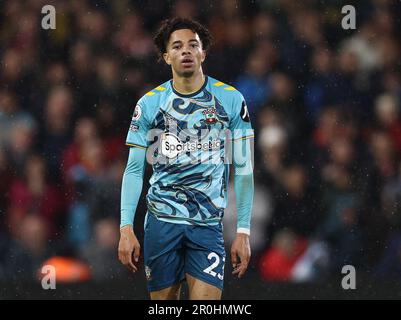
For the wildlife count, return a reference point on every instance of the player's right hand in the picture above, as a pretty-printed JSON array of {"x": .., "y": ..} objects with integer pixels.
[{"x": 128, "y": 248}]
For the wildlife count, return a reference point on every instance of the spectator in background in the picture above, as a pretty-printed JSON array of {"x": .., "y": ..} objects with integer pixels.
[
  {"x": 278, "y": 262},
  {"x": 184, "y": 9},
  {"x": 134, "y": 80},
  {"x": 387, "y": 113},
  {"x": 133, "y": 39},
  {"x": 391, "y": 83},
  {"x": 364, "y": 47},
  {"x": 21, "y": 143},
  {"x": 384, "y": 155},
  {"x": 341, "y": 203},
  {"x": 304, "y": 34},
  {"x": 82, "y": 64},
  {"x": 391, "y": 203},
  {"x": 321, "y": 87},
  {"x": 381, "y": 165},
  {"x": 5, "y": 178},
  {"x": 83, "y": 177},
  {"x": 254, "y": 83},
  {"x": 389, "y": 52},
  {"x": 264, "y": 26},
  {"x": 232, "y": 50},
  {"x": 108, "y": 76},
  {"x": 273, "y": 148},
  {"x": 389, "y": 266},
  {"x": 85, "y": 131},
  {"x": 111, "y": 134},
  {"x": 294, "y": 201},
  {"x": 28, "y": 249},
  {"x": 96, "y": 191},
  {"x": 325, "y": 130},
  {"x": 104, "y": 195},
  {"x": 297, "y": 205},
  {"x": 16, "y": 75},
  {"x": 348, "y": 89},
  {"x": 10, "y": 115},
  {"x": 56, "y": 133},
  {"x": 285, "y": 100},
  {"x": 100, "y": 252},
  {"x": 94, "y": 26},
  {"x": 57, "y": 74},
  {"x": 32, "y": 192}
]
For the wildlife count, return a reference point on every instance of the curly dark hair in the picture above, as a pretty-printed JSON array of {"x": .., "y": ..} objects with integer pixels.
[{"x": 168, "y": 26}]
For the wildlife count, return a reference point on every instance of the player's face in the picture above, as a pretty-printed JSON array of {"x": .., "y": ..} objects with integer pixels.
[{"x": 184, "y": 52}]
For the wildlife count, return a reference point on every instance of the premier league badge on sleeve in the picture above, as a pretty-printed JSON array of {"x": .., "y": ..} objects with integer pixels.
[
  {"x": 210, "y": 115},
  {"x": 137, "y": 113}
]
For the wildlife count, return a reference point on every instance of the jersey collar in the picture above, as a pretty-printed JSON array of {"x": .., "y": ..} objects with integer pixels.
[{"x": 189, "y": 95}]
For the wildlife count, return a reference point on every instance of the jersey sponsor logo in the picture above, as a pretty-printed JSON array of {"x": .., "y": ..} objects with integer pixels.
[
  {"x": 172, "y": 146},
  {"x": 244, "y": 112},
  {"x": 210, "y": 115},
  {"x": 137, "y": 113}
]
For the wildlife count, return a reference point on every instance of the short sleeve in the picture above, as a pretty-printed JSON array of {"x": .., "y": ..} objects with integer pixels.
[
  {"x": 138, "y": 131},
  {"x": 240, "y": 123}
]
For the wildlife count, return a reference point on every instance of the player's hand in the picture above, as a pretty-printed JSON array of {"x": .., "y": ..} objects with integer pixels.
[
  {"x": 128, "y": 248},
  {"x": 240, "y": 254}
]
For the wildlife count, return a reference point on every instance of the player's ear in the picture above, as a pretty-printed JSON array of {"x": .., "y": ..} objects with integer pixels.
[
  {"x": 203, "y": 55},
  {"x": 166, "y": 58}
]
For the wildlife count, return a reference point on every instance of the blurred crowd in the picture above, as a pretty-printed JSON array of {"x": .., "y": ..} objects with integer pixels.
[{"x": 324, "y": 102}]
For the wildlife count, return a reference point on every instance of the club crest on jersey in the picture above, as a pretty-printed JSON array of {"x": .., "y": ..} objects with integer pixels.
[
  {"x": 169, "y": 120},
  {"x": 210, "y": 115},
  {"x": 148, "y": 273}
]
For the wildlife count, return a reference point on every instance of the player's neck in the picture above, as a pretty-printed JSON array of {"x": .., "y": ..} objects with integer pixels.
[{"x": 188, "y": 85}]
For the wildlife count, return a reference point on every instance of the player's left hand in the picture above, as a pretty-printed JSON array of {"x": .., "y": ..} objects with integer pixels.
[{"x": 240, "y": 254}]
